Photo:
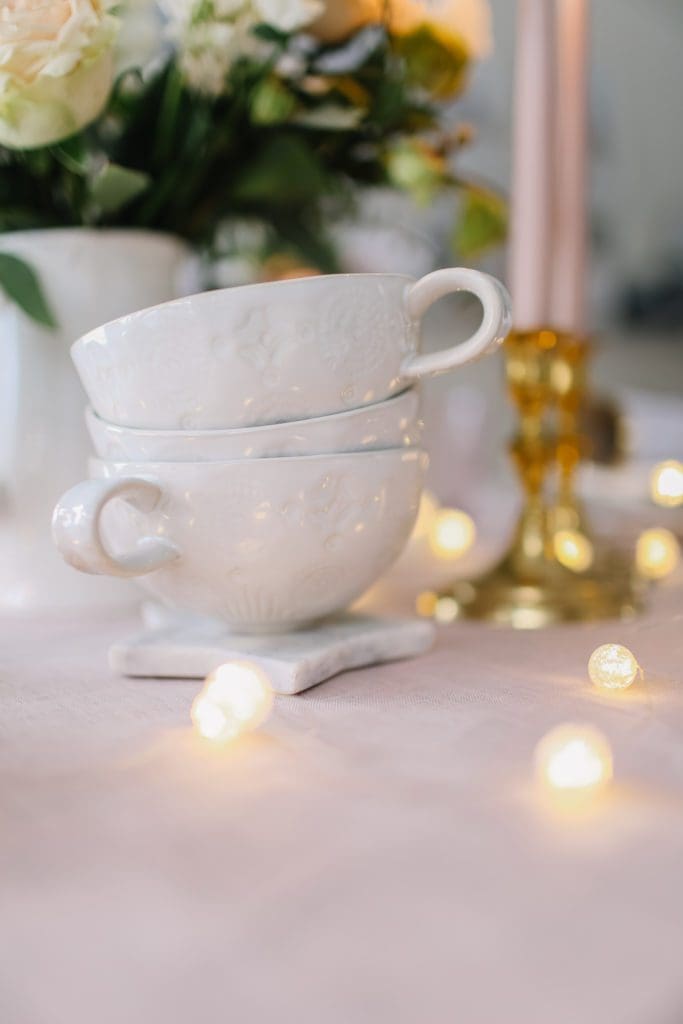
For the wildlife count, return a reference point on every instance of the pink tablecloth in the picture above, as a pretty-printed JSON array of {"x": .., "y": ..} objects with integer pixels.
[{"x": 378, "y": 853}]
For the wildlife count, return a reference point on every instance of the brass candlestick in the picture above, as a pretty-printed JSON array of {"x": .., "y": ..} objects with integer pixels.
[{"x": 554, "y": 571}]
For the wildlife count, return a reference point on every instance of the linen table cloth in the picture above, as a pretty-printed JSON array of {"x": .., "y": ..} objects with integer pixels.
[{"x": 378, "y": 852}]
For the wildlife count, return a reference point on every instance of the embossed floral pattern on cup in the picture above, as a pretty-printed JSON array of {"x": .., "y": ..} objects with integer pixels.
[
  {"x": 285, "y": 350},
  {"x": 263, "y": 545}
]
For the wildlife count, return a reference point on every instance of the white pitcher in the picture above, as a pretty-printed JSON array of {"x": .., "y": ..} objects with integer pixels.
[{"x": 89, "y": 276}]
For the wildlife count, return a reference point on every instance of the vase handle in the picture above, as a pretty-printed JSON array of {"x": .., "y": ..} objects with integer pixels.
[
  {"x": 76, "y": 528},
  {"x": 492, "y": 331}
]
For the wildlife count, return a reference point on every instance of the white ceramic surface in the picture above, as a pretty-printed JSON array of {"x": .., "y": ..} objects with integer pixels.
[
  {"x": 286, "y": 350},
  {"x": 393, "y": 423},
  {"x": 292, "y": 661},
  {"x": 263, "y": 546},
  {"x": 88, "y": 276}
]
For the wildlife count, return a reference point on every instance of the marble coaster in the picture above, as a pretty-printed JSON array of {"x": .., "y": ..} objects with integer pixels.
[{"x": 293, "y": 661}]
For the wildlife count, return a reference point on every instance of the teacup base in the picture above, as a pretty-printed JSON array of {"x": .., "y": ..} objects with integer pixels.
[{"x": 293, "y": 661}]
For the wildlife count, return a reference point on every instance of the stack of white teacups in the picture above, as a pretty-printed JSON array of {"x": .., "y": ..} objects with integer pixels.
[{"x": 264, "y": 440}]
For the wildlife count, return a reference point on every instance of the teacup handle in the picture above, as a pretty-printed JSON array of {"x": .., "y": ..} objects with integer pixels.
[
  {"x": 494, "y": 327},
  {"x": 76, "y": 528}
]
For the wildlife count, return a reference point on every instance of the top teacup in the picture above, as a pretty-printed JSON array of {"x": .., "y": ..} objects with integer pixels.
[{"x": 266, "y": 353}]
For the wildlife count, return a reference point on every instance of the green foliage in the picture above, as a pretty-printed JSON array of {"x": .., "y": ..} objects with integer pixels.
[
  {"x": 286, "y": 149},
  {"x": 20, "y": 283},
  {"x": 113, "y": 187},
  {"x": 271, "y": 102},
  {"x": 482, "y": 223},
  {"x": 417, "y": 169},
  {"x": 433, "y": 63}
]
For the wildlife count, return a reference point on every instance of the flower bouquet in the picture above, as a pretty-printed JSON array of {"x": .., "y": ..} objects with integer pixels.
[{"x": 250, "y": 123}]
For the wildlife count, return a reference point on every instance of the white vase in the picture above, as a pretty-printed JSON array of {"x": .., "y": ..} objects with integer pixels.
[{"x": 89, "y": 276}]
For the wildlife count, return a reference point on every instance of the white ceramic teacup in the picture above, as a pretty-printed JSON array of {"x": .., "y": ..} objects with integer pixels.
[
  {"x": 263, "y": 545},
  {"x": 394, "y": 423},
  {"x": 285, "y": 350}
]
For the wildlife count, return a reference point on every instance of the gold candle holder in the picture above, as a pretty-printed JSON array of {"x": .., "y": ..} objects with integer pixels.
[{"x": 554, "y": 570}]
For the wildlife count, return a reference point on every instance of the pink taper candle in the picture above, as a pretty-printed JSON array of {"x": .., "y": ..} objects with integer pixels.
[
  {"x": 571, "y": 201},
  {"x": 531, "y": 213}
]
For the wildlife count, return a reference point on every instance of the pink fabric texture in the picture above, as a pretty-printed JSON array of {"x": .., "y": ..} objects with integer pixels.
[{"x": 378, "y": 852}]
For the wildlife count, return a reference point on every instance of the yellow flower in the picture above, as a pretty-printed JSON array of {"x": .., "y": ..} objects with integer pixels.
[
  {"x": 56, "y": 68},
  {"x": 341, "y": 18},
  {"x": 466, "y": 21}
]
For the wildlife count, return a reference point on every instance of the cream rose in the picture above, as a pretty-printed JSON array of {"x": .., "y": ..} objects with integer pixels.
[{"x": 56, "y": 68}]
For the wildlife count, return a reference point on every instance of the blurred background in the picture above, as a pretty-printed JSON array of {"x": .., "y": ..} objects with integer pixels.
[
  {"x": 636, "y": 272},
  {"x": 636, "y": 147}
]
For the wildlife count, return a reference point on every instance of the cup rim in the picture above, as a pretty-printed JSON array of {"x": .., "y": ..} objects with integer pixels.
[
  {"x": 258, "y": 430},
  {"x": 209, "y": 297},
  {"x": 412, "y": 453}
]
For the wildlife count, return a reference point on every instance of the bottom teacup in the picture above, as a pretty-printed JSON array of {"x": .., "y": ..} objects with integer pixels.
[{"x": 266, "y": 545}]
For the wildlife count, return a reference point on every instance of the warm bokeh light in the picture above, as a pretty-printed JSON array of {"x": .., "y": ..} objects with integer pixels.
[
  {"x": 613, "y": 667},
  {"x": 446, "y": 610},
  {"x": 657, "y": 553},
  {"x": 425, "y": 604},
  {"x": 429, "y": 507},
  {"x": 573, "y": 550},
  {"x": 666, "y": 484},
  {"x": 236, "y": 698},
  {"x": 452, "y": 534},
  {"x": 574, "y": 759}
]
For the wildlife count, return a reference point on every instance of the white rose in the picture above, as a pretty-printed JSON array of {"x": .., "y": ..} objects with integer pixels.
[
  {"x": 56, "y": 68},
  {"x": 141, "y": 42},
  {"x": 210, "y": 36},
  {"x": 288, "y": 15}
]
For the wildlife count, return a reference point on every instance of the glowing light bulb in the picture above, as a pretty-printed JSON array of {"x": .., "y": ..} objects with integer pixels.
[
  {"x": 657, "y": 553},
  {"x": 613, "y": 667},
  {"x": 452, "y": 534},
  {"x": 429, "y": 507},
  {"x": 236, "y": 698},
  {"x": 573, "y": 550},
  {"x": 446, "y": 610},
  {"x": 666, "y": 484},
  {"x": 574, "y": 759}
]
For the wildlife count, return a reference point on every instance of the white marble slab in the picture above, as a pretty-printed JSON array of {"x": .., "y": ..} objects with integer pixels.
[{"x": 294, "y": 661}]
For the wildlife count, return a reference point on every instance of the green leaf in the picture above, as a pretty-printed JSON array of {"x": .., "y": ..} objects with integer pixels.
[
  {"x": 269, "y": 34},
  {"x": 330, "y": 117},
  {"x": 435, "y": 61},
  {"x": 286, "y": 171},
  {"x": 271, "y": 102},
  {"x": 73, "y": 155},
  {"x": 113, "y": 187},
  {"x": 482, "y": 224},
  {"x": 415, "y": 167},
  {"x": 22, "y": 285}
]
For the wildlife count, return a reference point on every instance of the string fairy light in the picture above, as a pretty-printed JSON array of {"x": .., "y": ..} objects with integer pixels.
[
  {"x": 666, "y": 484},
  {"x": 657, "y": 553},
  {"x": 452, "y": 533},
  {"x": 446, "y": 610},
  {"x": 236, "y": 698},
  {"x": 574, "y": 759},
  {"x": 613, "y": 667}
]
